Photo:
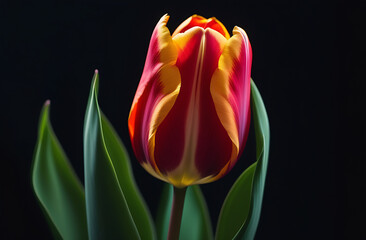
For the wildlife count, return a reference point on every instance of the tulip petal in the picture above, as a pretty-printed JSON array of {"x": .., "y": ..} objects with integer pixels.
[
  {"x": 171, "y": 77},
  {"x": 157, "y": 90},
  {"x": 230, "y": 89},
  {"x": 199, "y": 21},
  {"x": 193, "y": 118},
  {"x": 171, "y": 136}
]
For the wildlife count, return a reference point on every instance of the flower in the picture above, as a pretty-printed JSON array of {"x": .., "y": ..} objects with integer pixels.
[{"x": 189, "y": 120}]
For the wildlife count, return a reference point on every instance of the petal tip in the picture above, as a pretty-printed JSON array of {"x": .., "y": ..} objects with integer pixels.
[
  {"x": 164, "y": 19},
  {"x": 197, "y": 16},
  {"x": 239, "y": 30}
]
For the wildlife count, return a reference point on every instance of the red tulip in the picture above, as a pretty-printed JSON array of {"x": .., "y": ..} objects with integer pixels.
[{"x": 189, "y": 120}]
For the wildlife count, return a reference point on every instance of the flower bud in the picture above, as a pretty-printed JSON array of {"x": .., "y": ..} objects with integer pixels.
[{"x": 189, "y": 120}]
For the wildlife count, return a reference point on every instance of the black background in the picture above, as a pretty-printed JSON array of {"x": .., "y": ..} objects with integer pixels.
[{"x": 308, "y": 63}]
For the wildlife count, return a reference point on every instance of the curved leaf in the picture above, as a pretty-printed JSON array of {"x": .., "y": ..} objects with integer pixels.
[
  {"x": 121, "y": 163},
  {"x": 196, "y": 223},
  {"x": 235, "y": 209},
  {"x": 56, "y": 186},
  {"x": 244, "y": 227},
  {"x": 108, "y": 215}
]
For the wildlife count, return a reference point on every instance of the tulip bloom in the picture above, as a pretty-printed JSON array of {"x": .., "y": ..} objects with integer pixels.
[{"x": 189, "y": 120}]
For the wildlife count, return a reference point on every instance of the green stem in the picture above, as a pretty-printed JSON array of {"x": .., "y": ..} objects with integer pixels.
[{"x": 176, "y": 213}]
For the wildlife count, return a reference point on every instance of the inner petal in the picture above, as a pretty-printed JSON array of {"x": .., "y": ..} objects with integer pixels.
[{"x": 199, "y": 21}]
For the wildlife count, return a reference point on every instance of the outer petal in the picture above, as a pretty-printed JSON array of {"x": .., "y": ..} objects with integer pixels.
[
  {"x": 206, "y": 147},
  {"x": 157, "y": 91},
  {"x": 230, "y": 89},
  {"x": 199, "y": 21}
]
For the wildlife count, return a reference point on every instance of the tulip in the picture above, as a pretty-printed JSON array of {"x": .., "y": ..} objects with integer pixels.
[{"x": 190, "y": 116}]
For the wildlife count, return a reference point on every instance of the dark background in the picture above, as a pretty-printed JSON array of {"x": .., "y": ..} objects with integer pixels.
[{"x": 308, "y": 63}]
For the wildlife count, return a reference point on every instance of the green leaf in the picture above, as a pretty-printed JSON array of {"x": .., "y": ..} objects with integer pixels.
[
  {"x": 241, "y": 210},
  {"x": 121, "y": 163},
  {"x": 236, "y": 207},
  {"x": 108, "y": 213},
  {"x": 56, "y": 186},
  {"x": 196, "y": 223}
]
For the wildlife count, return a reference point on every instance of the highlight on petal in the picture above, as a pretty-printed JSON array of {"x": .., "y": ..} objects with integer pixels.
[
  {"x": 168, "y": 53},
  {"x": 220, "y": 90},
  {"x": 155, "y": 95},
  {"x": 161, "y": 51},
  {"x": 170, "y": 81},
  {"x": 199, "y": 21},
  {"x": 230, "y": 90}
]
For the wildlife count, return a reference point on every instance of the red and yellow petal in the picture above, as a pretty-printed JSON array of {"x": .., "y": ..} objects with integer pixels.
[
  {"x": 230, "y": 89},
  {"x": 191, "y": 143},
  {"x": 156, "y": 93},
  {"x": 199, "y": 21}
]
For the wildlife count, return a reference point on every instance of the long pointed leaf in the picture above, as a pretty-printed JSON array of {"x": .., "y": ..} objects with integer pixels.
[
  {"x": 56, "y": 186},
  {"x": 196, "y": 224},
  {"x": 262, "y": 134},
  {"x": 121, "y": 163},
  {"x": 244, "y": 225},
  {"x": 108, "y": 215}
]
